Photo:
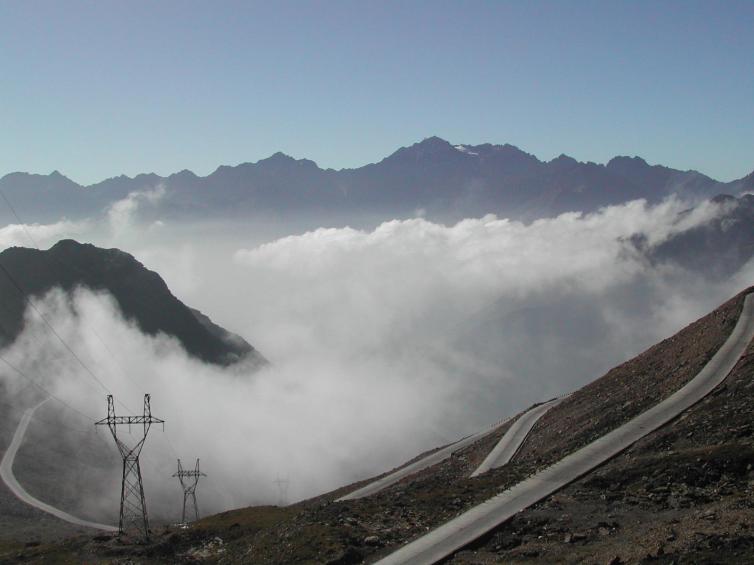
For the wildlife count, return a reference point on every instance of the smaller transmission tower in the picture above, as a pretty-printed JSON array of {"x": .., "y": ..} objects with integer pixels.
[
  {"x": 282, "y": 490},
  {"x": 133, "y": 506},
  {"x": 189, "y": 480}
]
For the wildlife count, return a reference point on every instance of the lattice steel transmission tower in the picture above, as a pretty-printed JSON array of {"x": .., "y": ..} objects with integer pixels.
[
  {"x": 133, "y": 507},
  {"x": 189, "y": 480},
  {"x": 282, "y": 490}
]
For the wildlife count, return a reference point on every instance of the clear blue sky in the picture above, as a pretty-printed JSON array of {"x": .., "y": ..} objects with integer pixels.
[{"x": 100, "y": 88}]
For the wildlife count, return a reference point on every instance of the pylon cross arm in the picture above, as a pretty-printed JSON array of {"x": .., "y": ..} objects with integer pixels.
[{"x": 128, "y": 420}]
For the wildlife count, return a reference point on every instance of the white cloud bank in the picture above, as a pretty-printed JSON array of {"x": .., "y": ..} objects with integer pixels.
[
  {"x": 42, "y": 235},
  {"x": 407, "y": 279},
  {"x": 121, "y": 215},
  {"x": 384, "y": 342}
]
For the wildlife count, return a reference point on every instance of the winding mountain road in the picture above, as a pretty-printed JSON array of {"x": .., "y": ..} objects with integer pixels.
[
  {"x": 462, "y": 530},
  {"x": 6, "y": 474},
  {"x": 514, "y": 438},
  {"x": 416, "y": 466}
]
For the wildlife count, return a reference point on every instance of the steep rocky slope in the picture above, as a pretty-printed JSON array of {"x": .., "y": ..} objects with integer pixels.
[{"x": 684, "y": 494}]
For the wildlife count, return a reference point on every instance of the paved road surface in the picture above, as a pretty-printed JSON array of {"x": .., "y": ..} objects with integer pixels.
[
  {"x": 514, "y": 438},
  {"x": 6, "y": 474},
  {"x": 416, "y": 466},
  {"x": 462, "y": 530}
]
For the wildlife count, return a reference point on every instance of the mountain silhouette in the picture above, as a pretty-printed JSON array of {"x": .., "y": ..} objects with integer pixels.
[
  {"x": 141, "y": 294},
  {"x": 434, "y": 177}
]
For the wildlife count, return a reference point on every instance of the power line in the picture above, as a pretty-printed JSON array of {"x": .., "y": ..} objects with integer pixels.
[
  {"x": 29, "y": 302},
  {"x": 170, "y": 445},
  {"x": 49, "y": 325},
  {"x": 36, "y": 245},
  {"x": 43, "y": 389},
  {"x": 37, "y": 418},
  {"x": 94, "y": 332},
  {"x": 18, "y": 219},
  {"x": 57, "y": 424}
]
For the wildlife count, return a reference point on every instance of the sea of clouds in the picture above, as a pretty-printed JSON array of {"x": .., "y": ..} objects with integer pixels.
[{"x": 383, "y": 341}]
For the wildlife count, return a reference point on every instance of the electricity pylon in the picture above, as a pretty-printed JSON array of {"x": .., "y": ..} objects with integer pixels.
[
  {"x": 189, "y": 480},
  {"x": 133, "y": 506},
  {"x": 282, "y": 490}
]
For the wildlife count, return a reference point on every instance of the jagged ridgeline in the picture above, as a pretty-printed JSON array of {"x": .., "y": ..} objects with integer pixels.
[
  {"x": 141, "y": 294},
  {"x": 447, "y": 182}
]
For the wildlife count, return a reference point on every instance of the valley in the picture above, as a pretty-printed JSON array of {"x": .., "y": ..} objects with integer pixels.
[
  {"x": 325, "y": 530},
  {"x": 376, "y": 283}
]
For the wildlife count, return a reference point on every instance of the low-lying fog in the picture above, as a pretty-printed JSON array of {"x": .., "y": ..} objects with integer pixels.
[{"x": 383, "y": 342}]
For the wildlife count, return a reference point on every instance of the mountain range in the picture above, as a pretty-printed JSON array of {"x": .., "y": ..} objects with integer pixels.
[
  {"x": 141, "y": 294},
  {"x": 435, "y": 178}
]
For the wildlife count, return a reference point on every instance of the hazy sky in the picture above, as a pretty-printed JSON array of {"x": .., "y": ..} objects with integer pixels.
[{"x": 96, "y": 89}]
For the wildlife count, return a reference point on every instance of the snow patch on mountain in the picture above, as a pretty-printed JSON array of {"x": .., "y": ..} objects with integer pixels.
[{"x": 465, "y": 149}]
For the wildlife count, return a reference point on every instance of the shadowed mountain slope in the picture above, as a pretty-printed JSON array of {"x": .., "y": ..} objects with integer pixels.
[
  {"x": 141, "y": 294},
  {"x": 718, "y": 248}
]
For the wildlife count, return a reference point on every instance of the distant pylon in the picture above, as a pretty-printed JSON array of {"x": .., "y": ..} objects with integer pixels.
[
  {"x": 189, "y": 480},
  {"x": 282, "y": 490},
  {"x": 133, "y": 506}
]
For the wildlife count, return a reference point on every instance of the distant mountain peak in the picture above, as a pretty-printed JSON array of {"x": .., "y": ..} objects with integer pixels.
[
  {"x": 635, "y": 160},
  {"x": 432, "y": 143},
  {"x": 280, "y": 159},
  {"x": 278, "y": 156},
  {"x": 87, "y": 250},
  {"x": 54, "y": 175},
  {"x": 564, "y": 159},
  {"x": 432, "y": 147},
  {"x": 184, "y": 174},
  {"x": 433, "y": 140},
  {"x": 66, "y": 244}
]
